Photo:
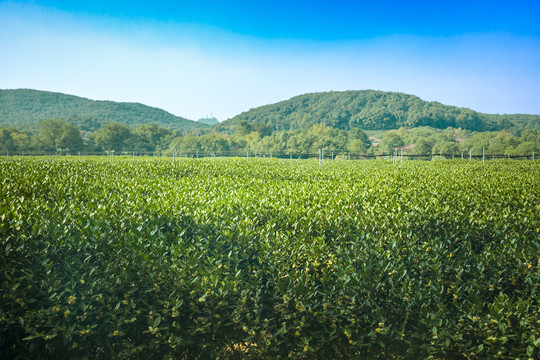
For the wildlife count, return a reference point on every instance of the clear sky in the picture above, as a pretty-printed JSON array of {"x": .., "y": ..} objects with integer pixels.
[{"x": 197, "y": 58}]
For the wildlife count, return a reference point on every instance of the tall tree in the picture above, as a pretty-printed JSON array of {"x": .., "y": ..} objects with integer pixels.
[
  {"x": 214, "y": 143},
  {"x": 356, "y": 146},
  {"x": 112, "y": 136},
  {"x": 149, "y": 137},
  {"x": 390, "y": 141},
  {"x": 359, "y": 135},
  {"x": 6, "y": 141},
  {"x": 423, "y": 147},
  {"x": 445, "y": 148},
  {"x": 21, "y": 140},
  {"x": 55, "y": 134}
]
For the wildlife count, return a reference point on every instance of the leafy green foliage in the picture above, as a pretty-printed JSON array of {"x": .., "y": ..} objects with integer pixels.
[
  {"x": 24, "y": 108},
  {"x": 55, "y": 134},
  {"x": 505, "y": 143},
  {"x": 150, "y": 137},
  {"x": 304, "y": 124},
  {"x": 209, "y": 121},
  {"x": 519, "y": 121},
  {"x": 391, "y": 140},
  {"x": 368, "y": 109},
  {"x": 269, "y": 259},
  {"x": 112, "y": 136},
  {"x": 14, "y": 140},
  {"x": 454, "y": 141}
]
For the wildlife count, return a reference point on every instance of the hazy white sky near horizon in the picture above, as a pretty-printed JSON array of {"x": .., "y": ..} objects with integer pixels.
[{"x": 195, "y": 69}]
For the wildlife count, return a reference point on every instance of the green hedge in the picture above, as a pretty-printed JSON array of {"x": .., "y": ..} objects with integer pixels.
[{"x": 269, "y": 259}]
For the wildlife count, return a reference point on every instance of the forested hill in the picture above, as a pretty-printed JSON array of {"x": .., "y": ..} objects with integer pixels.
[
  {"x": 24, "y": 108},
  {"x": 209, "y": 121},
  {"x": 371, "y": 110}
]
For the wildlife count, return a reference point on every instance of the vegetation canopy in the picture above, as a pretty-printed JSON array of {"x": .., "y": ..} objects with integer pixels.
[
  {"x": 371, "y": 110},
  {"x": 24, "y": 108}
]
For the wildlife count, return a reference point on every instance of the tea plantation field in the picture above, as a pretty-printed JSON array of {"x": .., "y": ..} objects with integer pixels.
[{"x": 269, "y": 259}]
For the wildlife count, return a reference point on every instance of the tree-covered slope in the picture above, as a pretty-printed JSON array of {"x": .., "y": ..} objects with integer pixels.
[
  {"x": 24, "y": 108},
  {"x": 209, "y": 121},
  {"x": 370, "y": 110}
]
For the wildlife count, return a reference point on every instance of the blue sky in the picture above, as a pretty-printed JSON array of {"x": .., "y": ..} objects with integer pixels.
[{"x": 224, "y": 57}]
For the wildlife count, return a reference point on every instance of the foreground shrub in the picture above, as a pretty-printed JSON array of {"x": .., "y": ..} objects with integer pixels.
[{"x": 269, "y": 259}]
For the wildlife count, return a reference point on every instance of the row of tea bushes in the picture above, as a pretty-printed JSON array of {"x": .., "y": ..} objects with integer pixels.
[{"x": 269, "y": 259}]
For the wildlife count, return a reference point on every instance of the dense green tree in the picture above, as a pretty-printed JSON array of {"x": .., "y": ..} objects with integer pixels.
[
  {"x": 71, "y": 138},
  {"x": 411, "y": 136},
  {"x": 390, "y": 141},
  {"x": 355, "y": 134},
  {"x": 445, "y": 148},
  {"x": 112, "y": 136},
  {"x": 150, "y": 137},
  {"x": 55, "y": 134},
  {"x": 357, "y": 146},
  {"x": 252, "y": 140},
  {"x": 21, "y": 140},
  {"x": 479, "y": 142},
  {"x": 187, "y": 145},
  {"x": 14, "y": 140},
  {"x": 294, "y": 146},
  {"x": 6, "y": 142},
  {"x": 379, "y": 119},
  {"x": 502, "y": 143},
  {"x": 526, "y": 148},
  {"x": 530, "y": 136},
  {"x": 214, "y": 143},
  {"x": 242, "y": 128},
  {"x": 423, "y": 146},
  {"x": 276, "y": 143},
  {"x": 261, "y": 128}
]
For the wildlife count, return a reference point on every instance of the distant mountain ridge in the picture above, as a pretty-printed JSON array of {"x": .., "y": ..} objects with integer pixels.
[
  {"x": 24, "y": 108},
  {"x": 364, "y": 109},
  {"x": 373, "y": 110},
  {"x": 209, "y": 121}
]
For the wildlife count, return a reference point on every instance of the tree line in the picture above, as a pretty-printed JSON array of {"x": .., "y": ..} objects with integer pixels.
[{"x": 56, "y": 135}]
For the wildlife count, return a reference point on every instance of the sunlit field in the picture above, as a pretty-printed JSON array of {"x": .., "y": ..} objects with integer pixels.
[{"x": 268, "y": 259}]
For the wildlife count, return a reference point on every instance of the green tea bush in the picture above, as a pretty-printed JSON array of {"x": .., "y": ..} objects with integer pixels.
[{"x": 267, "y": 259}]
